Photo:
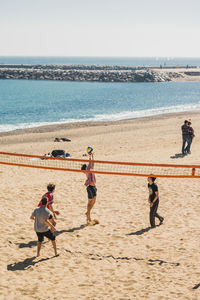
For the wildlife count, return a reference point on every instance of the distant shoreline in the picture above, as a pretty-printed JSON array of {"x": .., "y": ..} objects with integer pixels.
[{"x": 97, "y": 73}]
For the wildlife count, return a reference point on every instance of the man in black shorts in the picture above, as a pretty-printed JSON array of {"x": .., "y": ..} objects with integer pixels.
[
  {"x": 41, "y": 216},
  {"x": 153, "y": 202},
  {"x": 90, "y": 183}
]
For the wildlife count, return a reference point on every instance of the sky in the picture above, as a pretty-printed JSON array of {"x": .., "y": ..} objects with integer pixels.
[{"x": 127, "y": 28}]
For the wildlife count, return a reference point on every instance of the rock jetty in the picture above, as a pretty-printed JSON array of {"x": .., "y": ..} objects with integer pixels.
[{"x": 86, "y": 73}]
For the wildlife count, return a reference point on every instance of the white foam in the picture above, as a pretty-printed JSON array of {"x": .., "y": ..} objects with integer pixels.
[
  {"x": 146, "y": 113},
  {"x": 107, "y": 117}
]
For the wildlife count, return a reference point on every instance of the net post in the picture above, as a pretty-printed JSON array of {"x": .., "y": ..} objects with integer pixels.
[{"x": 193, "y": 171}]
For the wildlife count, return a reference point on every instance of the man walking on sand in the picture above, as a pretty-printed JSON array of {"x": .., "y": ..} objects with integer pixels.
[
  {"x": 153, "y": 202},
  {"x": 91, "y": 188},
  {"x": 41, "y": 216}
]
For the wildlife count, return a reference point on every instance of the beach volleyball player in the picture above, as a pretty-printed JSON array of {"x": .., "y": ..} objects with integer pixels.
[{"x": 90, "y": 183}]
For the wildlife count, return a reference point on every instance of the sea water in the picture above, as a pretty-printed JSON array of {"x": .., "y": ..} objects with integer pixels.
[
  {"x": 120, "y": 61},
  {"x": 31, "y": 103},
  {"x": 27, "y": 103}
]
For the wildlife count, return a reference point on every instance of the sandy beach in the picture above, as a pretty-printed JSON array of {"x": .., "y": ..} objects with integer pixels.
[
  {"x": 186, "y": 74},
  {"x": 120, "y": 258}
]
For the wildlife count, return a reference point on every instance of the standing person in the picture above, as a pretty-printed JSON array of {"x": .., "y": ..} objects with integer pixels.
[
  {"x": 90, "y": 183},
  {"x": 153, "y": 202},
  {"x": 50, "y": 200},
  {"x": 186, "y": 137},
  {"x": 191, "y": 136},
  {"x": 41, "y": 216}
]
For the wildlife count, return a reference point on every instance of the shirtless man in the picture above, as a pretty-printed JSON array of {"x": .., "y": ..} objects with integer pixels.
[{"x": 91, "y": 187}]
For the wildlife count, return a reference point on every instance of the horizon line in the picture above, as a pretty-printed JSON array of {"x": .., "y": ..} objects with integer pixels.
[{"x": 97, "y": 56}]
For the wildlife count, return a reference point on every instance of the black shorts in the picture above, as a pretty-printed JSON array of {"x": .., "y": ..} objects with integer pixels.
[
  {"x": 49, "y": 234},
  {"x": 92, "y": 191}
]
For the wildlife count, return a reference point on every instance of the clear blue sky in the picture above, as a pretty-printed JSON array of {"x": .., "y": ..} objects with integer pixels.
[{"x": 100, "y": 27}]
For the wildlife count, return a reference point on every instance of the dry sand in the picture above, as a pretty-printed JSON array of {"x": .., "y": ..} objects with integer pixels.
[
  {"x": 119, "y": 258},
  {"x": 187, "y": 74}
]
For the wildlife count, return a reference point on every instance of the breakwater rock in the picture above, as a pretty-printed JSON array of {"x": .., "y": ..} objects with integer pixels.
[{"x": 85, "y": 73}]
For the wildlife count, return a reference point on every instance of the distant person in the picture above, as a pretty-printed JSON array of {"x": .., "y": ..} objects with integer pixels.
[
  {"x": 50, "y": 200},
  {"x": 153, "y": 202},
  {"x": 186, "y": 138},
  {"x": 90, "y": 183},
  {"x": 42, "y": 216},
  {"x": 191, "y": 135}
]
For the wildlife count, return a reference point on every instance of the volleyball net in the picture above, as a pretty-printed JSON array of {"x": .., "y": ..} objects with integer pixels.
[{"x": 100, "y": 167}]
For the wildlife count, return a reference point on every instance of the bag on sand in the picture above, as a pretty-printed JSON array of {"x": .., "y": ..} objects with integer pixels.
[{"x": 58, "y": 153}]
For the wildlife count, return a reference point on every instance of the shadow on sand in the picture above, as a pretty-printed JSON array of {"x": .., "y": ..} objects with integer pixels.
[
  {"x": 32, "y": 244},
  {"x": 140, "y": 232},
  {"x": 196, "y": 286},
  {"x": 71, "y": 229},
  {"x": 178, "y": 155},
  {"x": 26, "y": 264}
]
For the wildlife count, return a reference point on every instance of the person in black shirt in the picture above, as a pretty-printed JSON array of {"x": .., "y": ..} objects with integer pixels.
[
  {"x": 186, "y": 138},
  {"x": 191, "y": 136},
  {"x": 153, "y": 202}
]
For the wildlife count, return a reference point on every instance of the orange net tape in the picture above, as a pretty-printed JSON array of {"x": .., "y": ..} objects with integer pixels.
[{"x": 100, "y": 167}]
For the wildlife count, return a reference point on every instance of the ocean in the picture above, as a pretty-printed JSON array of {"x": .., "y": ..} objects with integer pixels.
[
  {"x": 32, "y": 103},
  {"x": 119, "y": 61}
]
